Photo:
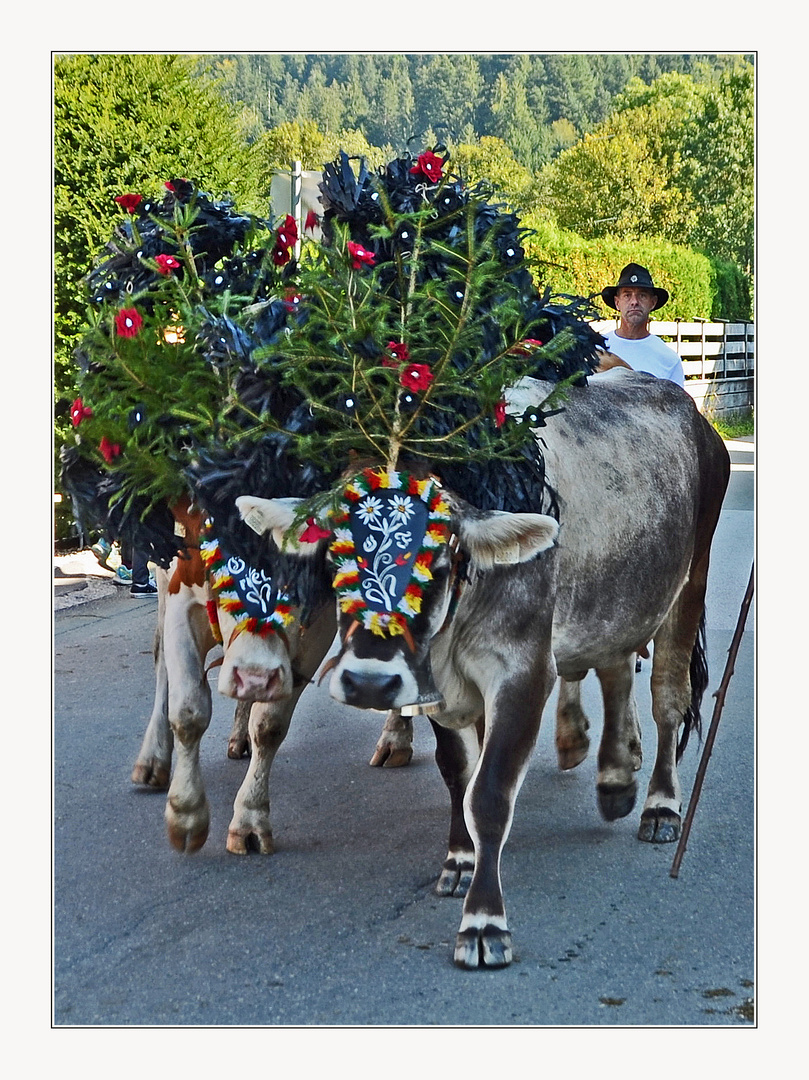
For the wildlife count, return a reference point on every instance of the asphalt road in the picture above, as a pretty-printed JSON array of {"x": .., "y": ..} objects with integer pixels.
[{"x": 340, "y": 927}]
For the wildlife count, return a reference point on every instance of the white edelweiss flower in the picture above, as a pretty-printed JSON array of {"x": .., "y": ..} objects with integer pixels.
[
  {"x": 368, "y": 510},
  {"x": 401, "y": 508}
]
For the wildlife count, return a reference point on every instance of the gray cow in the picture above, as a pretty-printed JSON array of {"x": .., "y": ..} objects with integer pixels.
[{"x": 640, "y": 477}]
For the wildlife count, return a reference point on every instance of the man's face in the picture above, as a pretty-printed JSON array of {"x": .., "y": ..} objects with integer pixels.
[{"x": 635, "y": 305}]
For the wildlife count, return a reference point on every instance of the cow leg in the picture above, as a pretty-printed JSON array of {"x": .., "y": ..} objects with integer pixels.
[
  {"x": 153, "y": 765},
  {"x": 250, "y": 825},
  {"x": 619, "y": 751},
  {"x": 239, "y": 738},
  {"x": 456, "y": 754},
  {"x": 513, "y": 719},
  {"x": 674, "y": 642},
  {"x": 187, "y": 641},
  {"x": 395, "y": 745},
  {"x": 572, "y": 741}
]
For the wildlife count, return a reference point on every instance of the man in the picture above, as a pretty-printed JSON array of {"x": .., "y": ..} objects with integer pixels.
[{"x": 631, "y": 345}]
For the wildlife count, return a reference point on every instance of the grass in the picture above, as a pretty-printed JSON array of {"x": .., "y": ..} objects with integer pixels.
[{"x": 733, "y": 427}]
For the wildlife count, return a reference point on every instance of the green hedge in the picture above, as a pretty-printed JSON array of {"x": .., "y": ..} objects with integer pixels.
[{"x": 699, "y": 287}]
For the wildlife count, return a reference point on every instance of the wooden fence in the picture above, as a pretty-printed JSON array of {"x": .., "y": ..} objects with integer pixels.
[{"x": 718, "y": 360}]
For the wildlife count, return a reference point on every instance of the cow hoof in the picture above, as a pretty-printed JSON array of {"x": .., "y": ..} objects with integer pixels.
[
  {"x": 243, "y": 841},
  {"x": 616, "y": 801},
  {"x": 489, "y": 947},
  {"x": 188, "y": 830},
  {"x": 152, "y": 774},
  {"x": 238, "y": 747},
  {"x": 455, "y": 878},
  {"x": 572, "y": 754},
  {"x": 661, "y": 826},
  {"x": 391, "y": 758}
]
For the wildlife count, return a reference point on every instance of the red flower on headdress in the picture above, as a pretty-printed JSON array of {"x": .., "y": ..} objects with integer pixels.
[
  {"x": 287, "y": 234},
  {"x": 166, "y": 263},
  {"x": 312, "y": 221},
  {"x": 399, "y": 350},
  {"x": 521, "y": 350},
  {"x": 313, "y": 532},
  {"x": 108, "y": 450},
  {"x": 281, "y": 256},
  {"x": 416, "y": 377},
  {"x": 359, "y": 255},
  {"x": 128, "y": 322},
  {"x": 500, "y": 413},
  {"x": 429, "y": 165},
  {"x": 291, "y": 299},
  {"x": 78, "y": 411},
  {"x": 128, "y": 202}
]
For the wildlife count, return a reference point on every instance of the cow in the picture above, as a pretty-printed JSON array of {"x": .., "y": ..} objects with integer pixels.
[
  {"x": 182, "y": 705},
  {"x": 181, "y": 714},
  {"x": 515, "y": 599}
]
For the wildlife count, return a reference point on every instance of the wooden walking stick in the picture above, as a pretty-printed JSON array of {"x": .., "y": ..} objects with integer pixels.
[{"x": 717, "y": 712}]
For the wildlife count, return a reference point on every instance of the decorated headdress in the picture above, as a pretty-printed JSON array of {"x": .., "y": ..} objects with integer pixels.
[{"x": 394, "y": 341}]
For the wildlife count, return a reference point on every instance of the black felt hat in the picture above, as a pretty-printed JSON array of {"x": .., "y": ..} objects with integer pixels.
[{"x": 634, "y": 276}]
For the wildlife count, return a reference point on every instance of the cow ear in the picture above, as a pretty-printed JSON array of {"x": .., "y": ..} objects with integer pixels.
[
  {"x": 276, "y": 517},
  {"x": 499, "y": 538}
]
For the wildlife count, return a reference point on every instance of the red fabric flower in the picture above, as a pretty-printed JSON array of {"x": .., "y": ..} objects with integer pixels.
[
  {"x": 108, "y": 450},
  {"x": 287, "y": 235},
  {"x": 291, "y": 299},
  {"x": 313, "y": 532},
  {"x": 416, "y": 377},
  {"x": 500, "y": 413},
  {"x": 281, "y": 256},
  {"x": 312, "y": 221},
  {"x": 359, "y": 255},
  {"x": 128, "y": 202},
  {"x": 429, "y": 165},
  {"x": 399, "y": 350},
  {"x": 531, "y": 343},
  {"x": 78, "y": 411},
  {"x": 128, "y": 322},
  {"x": 166, "y": 263}
]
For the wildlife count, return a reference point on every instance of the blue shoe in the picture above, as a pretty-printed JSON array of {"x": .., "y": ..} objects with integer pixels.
[
  {"x": 102, "y": 551},
  {"x": 123, "y": 576}
]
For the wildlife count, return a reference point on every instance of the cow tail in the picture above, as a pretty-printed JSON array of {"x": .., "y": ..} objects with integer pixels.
[{"x": 699, "y": 684}]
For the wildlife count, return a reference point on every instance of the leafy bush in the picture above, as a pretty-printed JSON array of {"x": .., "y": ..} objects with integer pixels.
[{"x": 700, "y": 288}]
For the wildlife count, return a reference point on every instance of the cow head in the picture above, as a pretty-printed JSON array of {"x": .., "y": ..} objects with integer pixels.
[
  {"x": 398, "y": 550},
  {"x": 258, "y": 618}
]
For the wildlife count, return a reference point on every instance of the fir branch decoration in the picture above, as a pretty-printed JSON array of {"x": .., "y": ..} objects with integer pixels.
[
  {"x": 416, "y": 314},
  {"x": 165, "y": 337}
]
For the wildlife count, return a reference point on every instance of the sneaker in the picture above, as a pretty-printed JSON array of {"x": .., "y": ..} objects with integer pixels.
[
  {"x": 123, "y": 576},
  {"x": 148, "y": 589},
  {"x": 102, "y": 551}
]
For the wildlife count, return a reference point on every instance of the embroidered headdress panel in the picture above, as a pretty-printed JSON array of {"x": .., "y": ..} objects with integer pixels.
[{"x": 385, "y": 533}]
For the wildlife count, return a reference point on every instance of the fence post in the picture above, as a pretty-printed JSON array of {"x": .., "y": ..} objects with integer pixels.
[{"x": 296, "y": 183}]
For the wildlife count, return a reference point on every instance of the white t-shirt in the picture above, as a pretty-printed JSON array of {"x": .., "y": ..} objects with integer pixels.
[{"x": 648, "y": 354}]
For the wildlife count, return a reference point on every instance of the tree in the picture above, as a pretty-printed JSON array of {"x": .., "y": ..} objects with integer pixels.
[
  {"x": 674, "y": 160},
  {"x": 491, "y": 160},
  {"x": 128, "y": 123},
  {"x": 719, "y": 167}
]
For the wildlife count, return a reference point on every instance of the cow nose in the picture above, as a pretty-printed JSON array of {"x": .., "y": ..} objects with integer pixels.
[
  {"x": 370, "y": 691},
  {"x": 251, "y": 683}
]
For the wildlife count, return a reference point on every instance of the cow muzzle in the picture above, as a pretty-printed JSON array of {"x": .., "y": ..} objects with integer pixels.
[
  {"x": 255, "y": 683},
  {"x": 370, "y": 690}
]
